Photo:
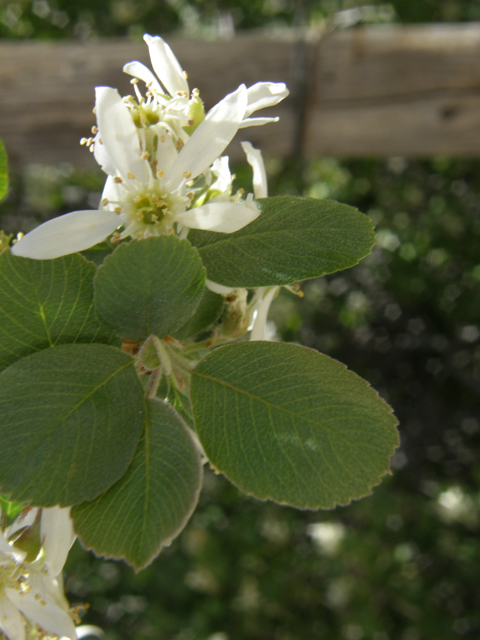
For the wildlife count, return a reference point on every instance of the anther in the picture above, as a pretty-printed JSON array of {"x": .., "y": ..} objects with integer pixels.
[
  {"x": 118, "y": 209},
  {"x": 118, "y": 180},
  {"x": 94, "y": 130},
  {"x": 134, "y": 81},
  {"x": 104, "y": 202},
  {"x": 160, "y": 174},
  {"x": 187, "y": 175},
  {"x": 83, "y": 141},
  {"x": 145, "y": 155},
  {"x": 130, "y": 176}
]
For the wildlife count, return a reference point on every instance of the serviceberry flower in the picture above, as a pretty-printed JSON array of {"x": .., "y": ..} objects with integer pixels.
[
  {"x": 33, "y": 551},
  {"x": 162, "y": 155}
]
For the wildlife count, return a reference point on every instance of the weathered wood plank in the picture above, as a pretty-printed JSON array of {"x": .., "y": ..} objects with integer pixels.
[
  {"x": 381, "y": 91},
  {"x": 397, "y": 91}
]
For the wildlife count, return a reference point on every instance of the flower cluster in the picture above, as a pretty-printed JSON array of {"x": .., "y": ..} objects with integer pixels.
[
  {"x": 163, "y": 158},
  {"x": 33, "y": 550}
]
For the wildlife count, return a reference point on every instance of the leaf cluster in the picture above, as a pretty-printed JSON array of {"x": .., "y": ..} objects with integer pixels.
[{"x": 111, "y": 396}]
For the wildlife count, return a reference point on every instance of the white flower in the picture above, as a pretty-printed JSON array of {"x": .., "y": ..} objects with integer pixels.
[
  {"x": 156, "y": 152},
  {"x": 33, "y": 551}
]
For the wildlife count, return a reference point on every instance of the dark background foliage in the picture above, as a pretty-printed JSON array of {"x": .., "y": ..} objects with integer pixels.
[{"x": 404, "y": 563}]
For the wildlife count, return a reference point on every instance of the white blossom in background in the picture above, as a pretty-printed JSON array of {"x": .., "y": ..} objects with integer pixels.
[
  {"x": 33, "y": 551},
  {"x": 163, "y": 158}
]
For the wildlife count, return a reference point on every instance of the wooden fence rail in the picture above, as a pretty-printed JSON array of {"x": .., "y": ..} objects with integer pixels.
[{"x": 375, "y": 91}]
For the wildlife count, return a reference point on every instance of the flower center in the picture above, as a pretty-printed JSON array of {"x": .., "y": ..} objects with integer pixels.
[
  {"x": 150, "y": 208},
  {"x": 150, "y": 211}
]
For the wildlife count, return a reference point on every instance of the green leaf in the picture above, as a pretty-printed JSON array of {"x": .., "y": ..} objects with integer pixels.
[
  {"x": 152, "y": 502},
  {"x": 10, "y": 509},
  {"x": 207, "y": 313},
  {"x": 3, "y": 171},
  {"x": 149, "y": 286},
  {"x": 71, "y": 416},
  {"x": 292, "y": 239},
  {"x": 289, "y": 424},
  {"x": 45, "y": 303}
]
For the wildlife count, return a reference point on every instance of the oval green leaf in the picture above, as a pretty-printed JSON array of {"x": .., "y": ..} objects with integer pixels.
[
  {"x": 149, "y": 286},
  {"x": 71, "y": 418},
  {"x": 153, "y": 501},
  {"x": 3, "y": 171},
  {"x": 289, "y": 424},
  {"x": 45, "y": 303},
  {"x": 291, "y": 240}
]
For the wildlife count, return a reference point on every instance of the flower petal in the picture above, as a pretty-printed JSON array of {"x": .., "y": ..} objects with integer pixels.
[
  {"x": 166, "y": 65},
  {"x": 265, "y": 94},
  {"x": 255, "y": 160},
  {"x": 118, "y": 134},
  {"x": 140, "y": 71},
  {"x": 11, "y": 622},
  {"x": 260, "y": 322},
  {"x": 223, "y": 176},
  {"x": 225, "y": 217},
  {"x": 218, "y": 288},
  {"x": 210, "y": 138},
  {"x": 257, "y": 122},
  {"x": 70, "y": 233},
  {"x": 49, "y": 616},
  {"x": 89, "y": 630},
  {"x": 56, "y": 532},
  {"x": 166, "y": 152}
]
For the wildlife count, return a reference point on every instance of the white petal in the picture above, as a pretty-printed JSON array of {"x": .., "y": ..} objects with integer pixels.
[
  {"x": 112, "y": 192},
  {"x": 265, "y": 94},
  {"x": 140, "y": 71},
  {"x": 70, "y": 233},
  {"x": 166, "y": 152},
  {"x": 166, "y": 66},
  {"x": 49, "y": 616},
  {"x": 87, "y": 630},
  {"x": 223, "y": 176},
  {"x": 255, "y": 160},
  {"x": 258, "y": 331},
  {"x": 218, "y": 288},
  {"x": 118, "y": 134},
  {"x": 225, "y": 217},
  {"x": 56, "y": 532},
  {"x": 257, "y": 122},
  {"x": 102, "y": 157},
  {"x": 4, "y": 546},
  {"x": 211, "y": 137},
  {"x": 11, "y": 622}
]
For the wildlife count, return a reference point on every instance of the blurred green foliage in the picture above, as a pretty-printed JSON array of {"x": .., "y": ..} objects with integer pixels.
[{"x": 81, "y": 19}]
